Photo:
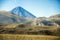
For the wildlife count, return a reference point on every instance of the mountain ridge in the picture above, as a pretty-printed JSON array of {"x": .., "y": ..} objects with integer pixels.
[{"x": 20, "y": 15}]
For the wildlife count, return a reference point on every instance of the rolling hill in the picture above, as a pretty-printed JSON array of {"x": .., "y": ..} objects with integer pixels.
[{"x": 8, "y": 18}]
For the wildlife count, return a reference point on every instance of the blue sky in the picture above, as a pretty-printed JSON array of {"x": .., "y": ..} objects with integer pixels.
[{"x": 36, "y": 7}]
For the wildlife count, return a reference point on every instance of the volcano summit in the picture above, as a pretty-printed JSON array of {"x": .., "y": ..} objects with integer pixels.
[{"x": 22, "y": 12}]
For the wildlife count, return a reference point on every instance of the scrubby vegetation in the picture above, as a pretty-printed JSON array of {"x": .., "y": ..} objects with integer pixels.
[
  {"x": 29, "y": 32},
  {"x": 34, "y": 30}
]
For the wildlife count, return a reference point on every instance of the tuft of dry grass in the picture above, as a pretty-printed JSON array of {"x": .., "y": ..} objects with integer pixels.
[{"x": 27, "y": 37}]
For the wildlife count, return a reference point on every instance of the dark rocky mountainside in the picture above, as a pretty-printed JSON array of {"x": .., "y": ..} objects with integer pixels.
[{"x": 53, "y": 20}]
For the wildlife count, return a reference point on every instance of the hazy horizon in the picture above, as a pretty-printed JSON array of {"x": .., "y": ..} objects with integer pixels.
[{"x": 39, "y": 8}]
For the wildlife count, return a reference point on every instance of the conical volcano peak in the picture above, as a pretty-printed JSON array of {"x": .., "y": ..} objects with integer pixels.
[
  {"x": 19, "y": 8},
  {"x": 22, "y": 12}
]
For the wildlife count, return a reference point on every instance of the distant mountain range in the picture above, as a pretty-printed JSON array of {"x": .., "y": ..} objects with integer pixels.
[{"x": 22, "y": 16}]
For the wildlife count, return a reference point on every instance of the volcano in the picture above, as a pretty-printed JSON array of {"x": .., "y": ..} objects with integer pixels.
[{"x": 22, "y": 12}]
